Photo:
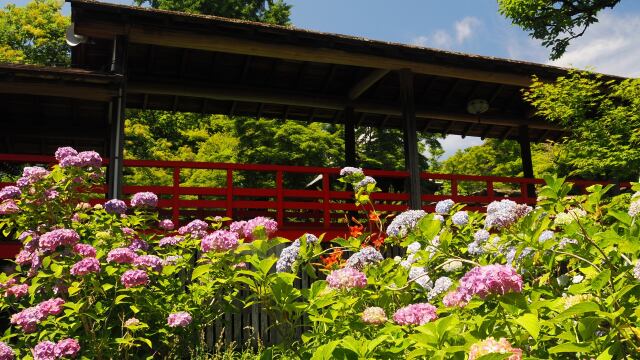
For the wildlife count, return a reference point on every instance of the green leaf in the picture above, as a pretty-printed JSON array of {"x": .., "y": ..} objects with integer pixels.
[
  {"x": 325, "y": 352},
  {"x": 570, "y": 347},
  {"x": 494, "y": 356},
  {"x": 576, "y": 309},
  {"x": 146, "y": 341},
  {"x": 120, "y": 298},
  {"x": 601, "y": 279},
  {"x": 530, "y": 323},
  {"x": 200, "y": 270}
]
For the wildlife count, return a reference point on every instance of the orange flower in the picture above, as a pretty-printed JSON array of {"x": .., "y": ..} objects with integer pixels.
[
  {"x": 334, "y": 258},
  {"x": 377, "y": 240},
  {"x": 356, "y": 230},
  {"x": 373, "y": 216}
]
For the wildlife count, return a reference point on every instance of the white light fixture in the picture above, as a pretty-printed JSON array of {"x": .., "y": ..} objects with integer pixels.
[
  {"x": 72, "y": 38},
  {"x": 477, "y": 106}
]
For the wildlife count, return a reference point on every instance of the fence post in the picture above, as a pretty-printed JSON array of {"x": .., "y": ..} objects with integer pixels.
[
  {"x": 490, "y": 193},
  {"x": 279, "y": 199},
  {"x": 325, "y": 201},
  {"x": 175, "y": 210},
  {"x": 454, "y": 187},
  {"x": 229, "y": 193}
]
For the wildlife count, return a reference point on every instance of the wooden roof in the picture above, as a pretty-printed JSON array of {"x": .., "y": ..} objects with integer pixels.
[
  {"x": 47, "y": 107},
  {"x": 206, "y": 64}
]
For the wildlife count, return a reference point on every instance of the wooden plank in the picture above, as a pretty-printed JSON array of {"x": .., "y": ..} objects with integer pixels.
[
  {"x": 412, "y": 162},
  {"x": 367, "y": 82},
  {"x": 65, "y": 90}
]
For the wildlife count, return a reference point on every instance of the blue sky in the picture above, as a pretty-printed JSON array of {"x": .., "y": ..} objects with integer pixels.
[{"x": 472, "y": 26}]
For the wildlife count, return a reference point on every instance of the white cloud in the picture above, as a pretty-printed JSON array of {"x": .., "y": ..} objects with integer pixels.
[
  {"x": 465, "y": 28},
  {"x": 440, "y": 39},
  {"x": 610, "y": 46}
]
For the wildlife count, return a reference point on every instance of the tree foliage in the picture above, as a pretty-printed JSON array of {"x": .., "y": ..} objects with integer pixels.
[
  {"x": 268, "y": 11},
  {"x": 603, "y": 117},
  {"x": 555, "y": 22},
  {"x": 34, "y": 34}
]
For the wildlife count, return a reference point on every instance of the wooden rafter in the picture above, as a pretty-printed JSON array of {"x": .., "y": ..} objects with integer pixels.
[
  {"x": 366, "y": 83},
  {"x": 506, "y": 133},
  {"x": 327, "y": 82}
]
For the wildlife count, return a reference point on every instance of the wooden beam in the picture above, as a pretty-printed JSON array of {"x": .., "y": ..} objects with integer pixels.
[
  {"x": 297, "y": 98},
  {"x": 467, "y": 129},
  {"x": 175, "y": 37},
  {"x": 327, "y": 81},
  {"x": 486, "y": 131},
  {"x": 543, "y": 135},
  {"x": 259, "y": 113},
  {"x": 366, "y": 82},
  {"x": 65, "y": 90},
  {"x": 506, "y": 133},
  {"x": 426, "y": 125},
  {"x": 412, "y": 157},
  {"x": 232, "y": 108}
]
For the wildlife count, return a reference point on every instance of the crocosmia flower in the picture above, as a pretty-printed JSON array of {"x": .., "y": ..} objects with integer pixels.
[
  {"x": 491, "y": 346},
  {"x": 346, "y": 278},
  {"x": 415, "y": 314}
]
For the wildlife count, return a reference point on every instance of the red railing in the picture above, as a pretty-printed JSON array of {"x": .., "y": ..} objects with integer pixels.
[{"x": 321, "y": 207}]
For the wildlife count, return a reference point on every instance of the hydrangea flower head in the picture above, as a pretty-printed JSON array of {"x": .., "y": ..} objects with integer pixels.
[
  {"x": 90, "y": 159},
  {"x": 9, "y": 207},
  {"x": 59, "y": 237},
  {"x": 144, "y": 199},
  {"x": 28, "y": 319},
  {"x": 346, "y": 278},
  {"x": 67, "y": 348},
  {"x": 634, "y": 208},
  {"x": 179, "y": 319},
  {"x": 349, "y": 171},
  {"x": 484, "y": 281},
  {"x": 545, "y": 235},
  {"x": 9, "y": 192},
  {"x": 131, "y": 322},
  {"x": 150, "y": 261},
  {"x": 636, "y": 270},
  {"x": 166, "y": 224},
  {"x": 460, "y": 218},
  {"x": 115, "y": 206},
  {"x": 366, "y": 256},
  {"x": 269, "y": 225},
  {"x": 504, "y": 213},
  {"x": 44, "y": 350},
  {"x": 415, "y": 314},
  {"x": 374, "y": 315},
  {"x": 444, "y": 206},
  {"x": 405, "y": 222},
  {"x": 6, "y": 352},
  {"x": 17, "y": 291},
  {"x": 31, "y": 175},
  {"x": 138, "y": 244},
  {"x": 441, "y": 285},
  {"x": 86, "y": 266},
  {"x": 64, "y": 152},
  {"x": 51, "y": 306},
  {"x": 491, "y": 346},
  {"x": 196, "y": 228},
  {"x": 132, "y": 278},
  {"x": 170, "y": 241},
  {"x": 121, "y": 256},
  {"x": 419, "y": 276},
  {"x": 84, "y": 250},
  {"x": 220, "y": 241},
  {"x": 364, "y": 182},
  {"x": 414, "y": 247},
  {"x": 481, "y": 236},
  {"x": 288, "y": 257}
]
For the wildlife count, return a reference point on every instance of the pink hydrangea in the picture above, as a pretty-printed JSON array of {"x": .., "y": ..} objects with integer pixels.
[
  {"x": 67, "y": 348},
  {"x": 64, "y": 152},
  {"x": 9, "y": 192},
  {"x": 17, "y": 291},
  {"x": 415, "y": 314},
  {"x": 90, "y": 159},
  {"x": 132, "y": 322},
  {"x": 491, "y": 346},
  {"x": 170, "y": 241},
  {"x": 31, "y": 175},
  {"x": 6, "y": 352},
  {"x": 45, "y": 350},
  {"x": 374, "y": 315},
  {"x": 166, "y": 224},
  {"x": 84, "y": 250},
  {"x": 24, "y": 257},
  {"x": 238, "y": 227},
  {"x": 484, "y": 281},
  {"x": 151, "y": 261},
  {"x": 347, "y": 278},
  {"x": 51, "y": 240},
  {"x": 28, "y": 319},
  {"x": 121, "y": 256},
  {"x": 132, "y": 278},
  {"x": 71, "y": 161},
  {"x": 144, "y": 199},
  {"x": 51, "y": 306},
  {"x": 270, "y": 226},
  {"x": 220, "y": 240},
  {"x": 197, "y": 229},
  {"x": 179, "y": 319},
  {"x": 86, "y": 266},
  {"x": 9, "y": 283},
  {"x": 9, "y": 207},
  {"x": 128, "y": 232}
]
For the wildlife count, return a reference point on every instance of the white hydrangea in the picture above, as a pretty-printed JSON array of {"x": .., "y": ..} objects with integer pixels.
[{"x": 452, "y": 265}]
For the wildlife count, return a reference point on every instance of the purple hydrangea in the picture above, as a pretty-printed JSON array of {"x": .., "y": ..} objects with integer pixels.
[
  {"x": 475, "y": 249},
  {"x": 636, "y": 270},
  {"x": 28, "y": 319},
  {"x": 219, "y": 240},
  {"x": 144, "y": 199},
  {"x": 346, "y": 278},
  {"x": 444, "y": 206},
  {"x": 512, "y": 251},
  {"x": 151, "y": 261},
  {"x": 170, "y": 241},
  {"x": 366, "y": 256},
  {"x": 44, "y": 350},
  {"x": 132, "y": 278},
  {"x": 166, "y": 224},
  {"x": 138, "y": 244},
  {"x": 405, "y": 222},
  {"x": 9, "y": 192},
  {"x": 414, "y": 247},
  {"x": 288, "y": 257},
  {"x": 115, "y": 206},
  {"x": 196, "y": 228},
  {"x": 9, "y": 207},
  {"x": 86, "y": 266},
  {"x": 84, "y": 250},
  {"x": 31, "y": 175},
  {"x": 364, "y": 182},
  {"x": 67, "y": 348},
  {"x": 121, "y": 256},
  {"x": 51, "y": 240},
  {"x": 71, "y": 161},
  {"x": 24, "y": 257},
  {"x": 484, "y": 281},
  {"x": 415, "y": 314},
  {"x": 238, "y": 227},
  {"x": 51, "y": 306},
  {"x": 481, "y": 236},
  {"x": 503, "y": 213},
  {"x": 64, "y": 152},
  {"x": 179, "y": 319},
  {"x": 6, "y": 352},
  {"x": 348, "y": 171},
  {"x": 17, "y": 291},
  {"x": 460, "y": 218},
  {"x": 269, "y": 225},
  {"x": 90, "y": 159}
]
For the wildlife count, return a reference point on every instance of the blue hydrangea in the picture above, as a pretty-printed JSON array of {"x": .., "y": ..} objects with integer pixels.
[
  {"x": 420, "y": 277},
  {"x": 405, "y": 222},
  {"x": 348, "y": 171},
  {"x": 511, "y": 254},
  {"x": 460, "y": 218},
  {"x": 311, "y": 239},
  {"x": 441, "y": 285},
  {"x": 288, "y": 257},
  {"x": 439, "y": 217},
  {"x": 413, "y": 248},
  {"x": 546, "y": 235},
  {"x": 481, "y": 236},
  {"x": 364, "y": 182},
  {"x": 366, "y": 256},
  {"x": 566, "y": 241},
  {"x": 475, "y": 249},
  {"x": 444, "y": 206},
  {"x": 636, "y": 270}
]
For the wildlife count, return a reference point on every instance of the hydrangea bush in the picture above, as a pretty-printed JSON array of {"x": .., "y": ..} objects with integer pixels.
[{"x": 558, "y": 280}]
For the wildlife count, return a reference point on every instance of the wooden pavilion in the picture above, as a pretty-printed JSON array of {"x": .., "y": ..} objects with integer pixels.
[{"x": 141, "y": 58}]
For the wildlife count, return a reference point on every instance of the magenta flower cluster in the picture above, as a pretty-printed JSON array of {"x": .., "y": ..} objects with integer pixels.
[
  {"x": 121, "y": 256},
  {"x": 10, "y": 192},
  {"x": 179, "y": 319},
  {"x": 31, "y": 175},
  {"x": 48, "y": 350},
  {"x": 115, "y": 206},
  {"x": 150, "y": 261},
  {"x": 29, "y": 318},
  {"x": 484, "y": 281},
  {"x": 166, "y": 224},
  {"x": 219, "y": 241},
  {"x": 347, "y": 278},
  {"x": 17, "y": 291},
  {"x": 415, "y": 314},
  {"x": 132, "y": 278},
  {"x": 6, "y": 352},
  {"x": 84, "y": 250},
  {"x": 170, "y": 241},
  {"x": 51, "y": 240},
  {"x": 247, "y": 228},
  {"x": 86, "y": 266},
  {"x": 144, "y": 199},
  {"x": 196, "y": 228}
]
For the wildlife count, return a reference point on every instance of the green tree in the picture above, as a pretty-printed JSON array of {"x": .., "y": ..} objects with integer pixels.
[
  {"x": 268, "y": 11},
  {"x": 34, "y": 34},
  {"x": 555, "y": 22},
  {"x": 604, "y": 120}
]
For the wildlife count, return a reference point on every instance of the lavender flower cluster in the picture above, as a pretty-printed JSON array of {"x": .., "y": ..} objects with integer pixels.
[
  {"x": 48, "y": 350},
  {"x": 144, "y": 199},
  {"x": 483, "y": 281},
  {"x": 503, "y": 213},
  {"x": 415, "y": 314},
  {"x": 346, "y": 278},
  {"x": 85, "y": 266},
  {"x": 219, "y": 241},
  {"x": 29, "y": 318},
  {"x": 364, "y": 182},
  {"x": 51, "y": 240},
  {"x": 179, "y": 319},
  {"x": 133, "y": 278},
  {"x": 115, "y": 206},
  {"x": 69, "y": 157},
  {"x": 405, "y": 222},
  {"x": 366, "y": 256},
  {"x": 196, "y": 228},
  {"x": 444, "y": 206},
  {"x": 289, "y": 254},
  {"x": 31, "y": 175}
]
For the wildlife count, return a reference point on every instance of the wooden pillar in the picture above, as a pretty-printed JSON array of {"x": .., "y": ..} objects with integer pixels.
[
  {"x": 117, "y": 112},
  {"x": 411, "y": 155},
  {"x": 525, "y": 153},
  {"x": 350, "y": 137}
]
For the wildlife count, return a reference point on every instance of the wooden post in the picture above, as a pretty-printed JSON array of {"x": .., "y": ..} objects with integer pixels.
[
  {"x": 349, "y": 137},
  {"x": 117, "y": 112},
  {"x": 527, "y": 163},
  {"x": 412, "y": 160}
]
